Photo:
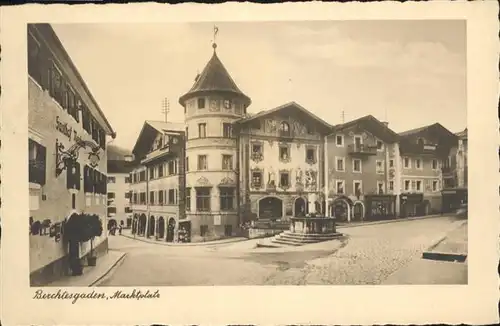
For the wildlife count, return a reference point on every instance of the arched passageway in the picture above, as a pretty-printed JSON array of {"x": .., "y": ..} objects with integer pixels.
[
  {"x": 270, "y": 208},
  {"x": 300, "y": 207},
  {"x": 161, "y": 227}
]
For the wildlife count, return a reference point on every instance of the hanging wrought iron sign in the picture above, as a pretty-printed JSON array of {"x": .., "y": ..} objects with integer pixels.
[{"x": 63, "y": 157}]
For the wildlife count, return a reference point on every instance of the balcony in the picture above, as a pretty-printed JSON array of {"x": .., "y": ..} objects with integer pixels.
[
  {"x": 362, "y": 149},
  {"x": 164, "y": 151}
]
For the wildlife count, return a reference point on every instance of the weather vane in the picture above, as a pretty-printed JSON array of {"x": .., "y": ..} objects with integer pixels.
[{"x": 216, "y": 31}]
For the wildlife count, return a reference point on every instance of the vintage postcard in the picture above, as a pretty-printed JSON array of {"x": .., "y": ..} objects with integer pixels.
[{"x": 239, "y": 163}]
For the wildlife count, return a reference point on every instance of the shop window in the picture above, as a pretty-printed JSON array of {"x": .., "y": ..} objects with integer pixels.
[
  {"x": 203, "y": 230},
  {"x": 227, "y": 162},
  {"x": 228, "y": 230},
  {"x": 188, "y": 199},
  {"x": 226, "y": 199},
  {"x": 202, "y": 162},
  {"x": 203, "y": 199},
  {"x": 202, "y": 130},
  {"x": 37, "y": 162},
  {"x": 227, "y": 130}
]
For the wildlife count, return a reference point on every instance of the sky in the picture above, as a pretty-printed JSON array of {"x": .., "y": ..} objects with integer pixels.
[{"x": 409, "y": 73}]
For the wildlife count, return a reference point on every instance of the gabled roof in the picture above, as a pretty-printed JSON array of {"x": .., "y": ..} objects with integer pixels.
[
  {"x": 372, "y": 125},
  {"x": 462, "y": 134},
  {"x": 149, "y": 131},
  {"x": 214, "y": 77},
  {"x": 435, "y": 129},
  {"x": 297, "y": 108}
]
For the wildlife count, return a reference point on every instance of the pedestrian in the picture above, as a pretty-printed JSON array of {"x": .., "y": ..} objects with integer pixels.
[{"x": 120, "y": 230}]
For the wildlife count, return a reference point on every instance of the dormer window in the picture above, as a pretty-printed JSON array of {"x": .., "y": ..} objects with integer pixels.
[{"x": 420, "y": 142}]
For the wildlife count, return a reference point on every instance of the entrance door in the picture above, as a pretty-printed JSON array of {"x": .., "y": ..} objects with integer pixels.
[
  {"x": 270, "y": 208},
  {"x": 170, "y": 230},
  {"x": 161, "y": 227},
  {"x": 358, "y": 211}
]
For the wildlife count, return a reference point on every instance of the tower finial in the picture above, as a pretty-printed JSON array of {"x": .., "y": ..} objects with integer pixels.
[{"x": 216, "y": 31}]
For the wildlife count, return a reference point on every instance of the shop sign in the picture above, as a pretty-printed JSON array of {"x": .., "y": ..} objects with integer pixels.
[
  {"x": 66, "y": 130},
  {"x": 449, "y": 192}
]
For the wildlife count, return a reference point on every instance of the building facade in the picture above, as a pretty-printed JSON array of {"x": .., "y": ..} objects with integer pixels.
[
  {"x": 455, "y": 174},
  {"x": 281, "y": 155},
  {"x": 158, "y": 181},
  {"x": 119, "y": 191},
  {"x": 67, "y": 154},
  {"x": 423, "y": 152},
  {"x": 361, "y": 176}
]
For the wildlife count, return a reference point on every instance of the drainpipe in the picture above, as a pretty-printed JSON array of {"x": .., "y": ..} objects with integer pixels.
[{"x": 325, "y": 172}]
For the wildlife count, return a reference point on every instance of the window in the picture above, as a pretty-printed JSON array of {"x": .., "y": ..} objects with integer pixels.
[
  {"x": 34, "y": 59},
  {"x": 227, "y": 130},
  {"x": 284, "y": 128},
  {"x": 356, "y": 165},
  {"x": 406, "y": 163},
  {"x": 418, "y": 163},
  {"x": 73, "y": 201},
  {"x": 203, "y": 230},
  {"x": 339, "y": 140},
  {"x": 434, "y": 164},
  {"x": 357, "y": 187},
  {"x": 284, "y": 179},
  {"x": 37, "y": 158},
  {"x": 407, "y": 185},
  {"x": 310, "y": 155},
  {"x": 434, "y": 185},
  {"x": 134, "y": 198},
  {"x": 391, "y": 163},
  {"x": 160, "y": 197},
  {"x": 228, "y": 230},
  {"x": 257, "y": 152},
  {"x": 128, "y": 210},
  {"x": 160, "y": 170},
  {"x": 379, "y": 168},
  {"x": 187, "y": 132},
  {"x": 142, "y": 175},
  {"x": 202, "y": 130},
  {"x": 391, "y": 185},
  {"x": 111, "y": 210},
  {"x": 284, "y": 153},
  {"x": 171, "y": 196},
  {"x": 203, "y": 199},
  {"x": 202, "y": 162},
  {"x": 413, "y": 185},
  {"x": 256, "y": 179},
  {"x": 226, "y": 199},
  {"x": 151, "y": 197},
  {"x": 188, "y": 199},
  {"x": 151, "y": 173},
  {"x": 419, "y": 185},
  {"x": 340, "y": 187},
  {"x": 227, "y": 104},
  {"x": 201, "y": 103},
  {"x": 380, "y": 145},
  {"x": 340, "y": 164},
  {"x": 142, "y": 198},
  {"x": 111, "y": 195},
  {"x": 171, "y": 168},
  {"x": 227, "y": 162},
  {"x": 127, "y": 195},
  {"x": 187, "y": 164},
  {"x": 380, "y": 187},
  {"x": 127, "y": 179}
]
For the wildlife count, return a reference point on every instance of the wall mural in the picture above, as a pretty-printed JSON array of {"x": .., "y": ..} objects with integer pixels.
[
  {"x": 311, "y": 180},
  {"x": 299, "y": 185}
]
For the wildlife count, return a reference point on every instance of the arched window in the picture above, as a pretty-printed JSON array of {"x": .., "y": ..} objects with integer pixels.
[{"x": 284, "y": 128}]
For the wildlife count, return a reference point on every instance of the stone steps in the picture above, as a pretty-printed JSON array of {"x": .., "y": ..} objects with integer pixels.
[{"x": 297, "y": 239}]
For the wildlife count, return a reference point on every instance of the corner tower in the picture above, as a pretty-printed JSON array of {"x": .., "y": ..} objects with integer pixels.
[{"x": 211, "y": 107}]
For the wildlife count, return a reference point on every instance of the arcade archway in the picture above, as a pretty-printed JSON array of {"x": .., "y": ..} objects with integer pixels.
[
  {"x": 161, "y": 227},
  {"x": 170, "y": 230},
  {"x": 300, "y": 207},
  {"x": 151, "y": 227},
  {"x": 142, "y": 224},
  {"x": 270, "y": 208},
  {"x": 358, "y": 211},
  {"x": 341, "y": 208}
]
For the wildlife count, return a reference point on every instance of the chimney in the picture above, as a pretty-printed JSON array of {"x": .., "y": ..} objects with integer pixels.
[{"x": 129, "y": 158}]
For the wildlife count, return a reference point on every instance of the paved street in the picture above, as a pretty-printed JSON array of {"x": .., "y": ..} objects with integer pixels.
[{"x": 368, "y": 255}]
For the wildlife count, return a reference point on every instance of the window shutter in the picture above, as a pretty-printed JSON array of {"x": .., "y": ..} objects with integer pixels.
[
  {"x": 42, "y": 159},
  {"x": 104, "y": 184},
  {"x": 69, "y": 174},
  {"x": 76, "y": 176}
]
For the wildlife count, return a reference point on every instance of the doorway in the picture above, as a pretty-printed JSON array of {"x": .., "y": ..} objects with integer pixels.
[
  {"x": 270, "y": 208},
  {"x": 300, "y": 208}
]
